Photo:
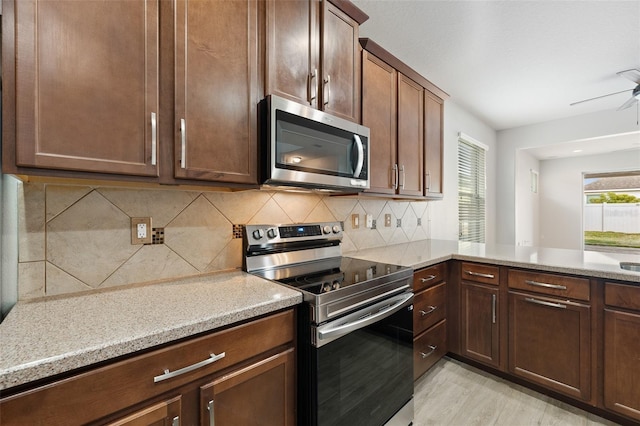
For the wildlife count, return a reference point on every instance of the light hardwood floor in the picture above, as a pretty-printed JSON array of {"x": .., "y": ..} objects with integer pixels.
[{"x": 453, "y": 393}]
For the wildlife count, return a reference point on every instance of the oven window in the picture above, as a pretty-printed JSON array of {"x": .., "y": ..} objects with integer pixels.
[
  {"x": 308, "y": 146},
  {"x": 366, "y": 376}
]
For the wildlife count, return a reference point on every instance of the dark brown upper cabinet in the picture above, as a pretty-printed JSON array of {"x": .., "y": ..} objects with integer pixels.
[{"x": 312, "y": 54}]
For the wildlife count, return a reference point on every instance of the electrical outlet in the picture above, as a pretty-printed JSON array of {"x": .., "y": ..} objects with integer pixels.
[
  {"x": 355, "y": 221},
  {"x": 369, "y": 220},
  {"x": 141, "y": 232},
  {"x": 387, "y": 220}
]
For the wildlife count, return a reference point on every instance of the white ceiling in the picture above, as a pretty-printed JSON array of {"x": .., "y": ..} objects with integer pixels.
[{"x": 514, "y": 63}]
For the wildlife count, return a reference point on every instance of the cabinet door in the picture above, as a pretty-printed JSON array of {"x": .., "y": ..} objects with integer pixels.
[
  {"x": 165, "y": 413},
  {"x": 480, "y": 323},
  {"x": 433, "y": 115},
  {"x": 379, "y": 86},
  {"x": 340, "y": 94},
  {"x": 292, "y": 62},
  {"x": 410, "y": 136},
  {"x": 550, "y": 344},
  {"x": 216, "y": 95},
  {"x": 260, "y": 394},
  {"x": 87, "y": 85},
  {"x": 621, "y": 355}
]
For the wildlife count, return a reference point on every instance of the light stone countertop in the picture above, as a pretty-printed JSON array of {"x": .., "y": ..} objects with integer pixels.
[
  {"x": 54, "y": 335},
  {"x": 424, "y": 253}
]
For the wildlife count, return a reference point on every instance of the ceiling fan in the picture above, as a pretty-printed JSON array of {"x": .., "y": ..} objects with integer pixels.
[{"x": 633, "y": 75}]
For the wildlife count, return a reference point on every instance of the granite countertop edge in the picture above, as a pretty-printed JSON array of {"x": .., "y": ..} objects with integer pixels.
[{"x": 20, "y": 370}]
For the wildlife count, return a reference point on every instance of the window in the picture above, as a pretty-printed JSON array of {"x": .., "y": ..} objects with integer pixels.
[{"x": 471, "y": 189}]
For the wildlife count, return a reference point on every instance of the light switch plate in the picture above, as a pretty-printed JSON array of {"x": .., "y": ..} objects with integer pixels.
[
  {"x": 355, "y": 221},
  {"x": 387, "y": 220}
]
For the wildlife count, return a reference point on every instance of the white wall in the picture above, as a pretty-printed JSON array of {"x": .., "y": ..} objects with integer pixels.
[
  {"x": 527, "y": 202},
  {"x": 604, "y": 123},
  {"x": 561, "y": 194},
  {"x": 444, "y": 213}
]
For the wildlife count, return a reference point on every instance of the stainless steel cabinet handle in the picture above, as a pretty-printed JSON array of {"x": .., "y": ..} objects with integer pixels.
[
  {"x": 494, "y": 300},
  {"x": 358, "y": 169},
  {"x": 433, "y": 349},
  {"x": 543, "y": 303},
  {"x": 545, "y": 285},
  {"x": 430, "y": 309},
  {"x": 171, "y": 374},
  {"x": 427, "y": 279},
  {"x": 327, "y": 84},
  {"x": 212, "y": 419},
  {"x": 478, "y": 274},
  {"x": 154, "y": 139},
  {"x": 428, "y": 184},
  {"x": 403, "y": 176},
  {"x": 313, "y": 76},
  {"x": 175, "y": 421},
  {"x": 183, "y": 143},
  {"x": 395, "y": 176}
]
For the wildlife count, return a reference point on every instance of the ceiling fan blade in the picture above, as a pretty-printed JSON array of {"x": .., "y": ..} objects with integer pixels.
[
  {"x": 632, "y": 100},
  {"x": 632, "y": 74},
  {"x": 599, "y": 97}
]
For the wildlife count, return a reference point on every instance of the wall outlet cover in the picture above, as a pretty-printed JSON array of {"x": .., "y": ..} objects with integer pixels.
[{"x": 141, "y": 232}]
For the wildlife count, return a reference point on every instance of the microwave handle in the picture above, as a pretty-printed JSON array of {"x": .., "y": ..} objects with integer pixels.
[{"x": 360, "y": 162}]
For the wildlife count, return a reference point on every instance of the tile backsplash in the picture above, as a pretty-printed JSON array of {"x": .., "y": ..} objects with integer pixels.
[{"x": 76, "y": 238}]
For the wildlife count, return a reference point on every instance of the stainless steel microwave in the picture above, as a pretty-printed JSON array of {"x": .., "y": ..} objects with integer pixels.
[{"x": 307, "y": 148}]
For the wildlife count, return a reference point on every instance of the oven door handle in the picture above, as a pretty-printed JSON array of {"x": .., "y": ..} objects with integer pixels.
[{"x": 388, "y": 308}]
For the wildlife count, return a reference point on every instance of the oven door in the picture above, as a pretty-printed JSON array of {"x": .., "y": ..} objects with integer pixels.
[{"x": 360, "y": 370}]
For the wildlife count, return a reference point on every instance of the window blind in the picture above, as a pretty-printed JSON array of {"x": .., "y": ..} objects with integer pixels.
[{"x": 471, "y": 191}]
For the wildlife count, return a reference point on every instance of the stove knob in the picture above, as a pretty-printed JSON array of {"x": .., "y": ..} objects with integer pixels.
[
  {"x": 336, "y": 285},
  {"x": 336, "y": 229},
  {"x": 326, "y": 287},
  {"x": 326, "y": 229},
  {"x": 258, "y": 234},
  {"x": 271, "y": 233}
]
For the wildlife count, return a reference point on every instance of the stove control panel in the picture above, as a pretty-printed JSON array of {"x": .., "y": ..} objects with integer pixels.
[{"x": 296, "y": 232}]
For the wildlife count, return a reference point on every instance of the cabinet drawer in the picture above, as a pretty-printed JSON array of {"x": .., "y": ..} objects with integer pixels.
[
  {"x": 94, "y": 394},
  {"x": 429, "y": 276},
  {"x": 428, "y": 348},
  {"x": 552, "y": 284},
  {"x": 622, "y": 296},
  {"x": 477, "y": 272},
  {"x": 429, "y": 307}
]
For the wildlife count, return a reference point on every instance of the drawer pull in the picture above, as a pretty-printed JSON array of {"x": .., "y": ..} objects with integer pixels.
[
  {"x": 543, "y": 303},
  {"x": 494, "y": 300},
  {"x": 430, "y": 309},
  {"x": 175, "y": 421},
  {"x": 427, "y": 279},
  {"x": 171, "y": 374},
  {"x": 545, "y": 285},
  {"x": 433, "y": 349},
  {"x": 478, "y": 274}
]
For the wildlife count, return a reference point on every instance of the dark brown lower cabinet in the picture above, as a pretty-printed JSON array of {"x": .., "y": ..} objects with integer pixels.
[
  {"x": 480, "y": 325},
  {"x": 550, "y": 343},
  {"x": 240, "y": 375},
  {"x": 260, "y": 394},
  {"x": 622, "y": 362},
  {"x": 428, "y": 348}
]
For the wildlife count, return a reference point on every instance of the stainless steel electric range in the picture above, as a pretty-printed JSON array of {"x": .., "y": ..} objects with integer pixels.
[{"x": 355, "y": 327}]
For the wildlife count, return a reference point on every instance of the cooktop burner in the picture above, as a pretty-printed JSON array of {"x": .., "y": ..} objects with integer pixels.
[{"x": 346, "y": 272}]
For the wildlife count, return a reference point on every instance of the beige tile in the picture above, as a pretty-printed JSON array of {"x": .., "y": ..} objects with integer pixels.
[
  {"x": 151, "y": 262},
  {"x": 270, "y": 213},
  {"x": 229, "y": 258},
  {"x": 60, "y": 197},
  {"x": 239, "y": 207},
  {"x": 59, "y": 282},
  {"x": 31, "y": 222},
  {"x": 31, "y": 280},
  {"x": 409, "y": 223},
  {"x": 340, "y": 207},
  {"x": 161, "y": 205},
  {"x": 386, "y": 232},
  {"x": 297, "y": 205},
  {"x": 373, "y": 207},
  {"x": 90, "y": 239},
  {"x": 320, "y": 213},
  {"x": 399, "y": 207},
  {"x": 198, "y": 233},
  {"x": 419, "y": 207},
  {"x": 347, "y": 244},
  {"x": 398, "y": 237}
]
